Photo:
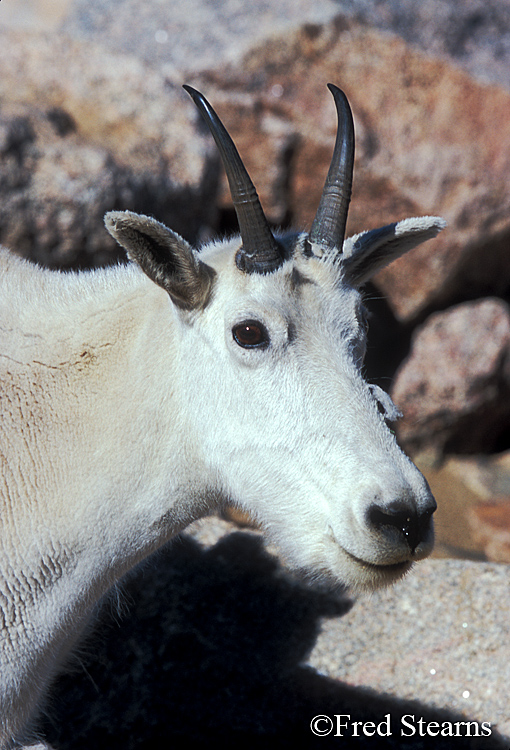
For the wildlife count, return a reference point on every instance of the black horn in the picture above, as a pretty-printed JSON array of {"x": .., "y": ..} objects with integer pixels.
[
  {"x": 328, "y": 228},
  {"x": 260, "y": 252}
]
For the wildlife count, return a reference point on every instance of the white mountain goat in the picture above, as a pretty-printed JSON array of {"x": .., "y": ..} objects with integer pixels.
[{"x": 136, "y": 399}]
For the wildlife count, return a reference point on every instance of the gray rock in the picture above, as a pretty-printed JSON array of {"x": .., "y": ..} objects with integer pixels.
[
  {"x": 438, "y": 637},
  {"x": 190, "y": 36}
]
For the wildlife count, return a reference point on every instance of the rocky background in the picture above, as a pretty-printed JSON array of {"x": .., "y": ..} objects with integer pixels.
[{"x": 93, "y": 118}]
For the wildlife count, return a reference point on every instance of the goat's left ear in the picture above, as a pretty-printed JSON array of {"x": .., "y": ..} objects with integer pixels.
[
  {"x": 366, "y": 253},
  {"x": 164, "y": 256}
]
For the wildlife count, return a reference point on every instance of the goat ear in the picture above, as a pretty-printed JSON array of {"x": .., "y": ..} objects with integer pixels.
[
  {"x": 366, "y": 253},
  {"x": 164, "y": 256}
]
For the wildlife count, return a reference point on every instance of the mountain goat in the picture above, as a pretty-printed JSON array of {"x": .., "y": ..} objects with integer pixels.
[{"x": 139, "y": 398}]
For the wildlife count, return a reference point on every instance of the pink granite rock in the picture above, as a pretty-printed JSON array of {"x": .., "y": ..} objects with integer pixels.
[
  {"x": 423, "y": 147},
  {"x": 454, "y": 387}
]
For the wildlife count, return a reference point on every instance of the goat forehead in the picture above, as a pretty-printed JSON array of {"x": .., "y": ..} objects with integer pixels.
[
  {"x": 297, "y": 271},
  {"x": 303, "y": 286}
]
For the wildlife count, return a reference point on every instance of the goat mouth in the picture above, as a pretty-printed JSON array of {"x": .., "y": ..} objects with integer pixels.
[
  {"x": 384, "y": 573},
  {"x": 388, "y": 569}
]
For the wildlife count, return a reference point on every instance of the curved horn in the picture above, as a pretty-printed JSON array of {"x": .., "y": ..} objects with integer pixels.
[
  {"x": 260, "y": 252},
  {"x": 328, "y": 228}
]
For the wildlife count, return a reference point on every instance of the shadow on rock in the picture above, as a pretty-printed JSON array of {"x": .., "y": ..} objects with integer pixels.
[{"x": 210, "y": 647}]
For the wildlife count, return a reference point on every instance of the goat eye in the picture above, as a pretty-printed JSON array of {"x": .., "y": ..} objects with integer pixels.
[{"x": 250, "y": 335}]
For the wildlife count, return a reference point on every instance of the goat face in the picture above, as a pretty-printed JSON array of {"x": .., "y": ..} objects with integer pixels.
[{"x": 272, "y": 339}]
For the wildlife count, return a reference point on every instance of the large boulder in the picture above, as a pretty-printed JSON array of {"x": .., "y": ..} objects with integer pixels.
[
  {"x": 454, "y": 387},
  {"x": 422, "y": 148},
  {"x": 82, "y": 132},
  {"x": 424, "y": 145}
]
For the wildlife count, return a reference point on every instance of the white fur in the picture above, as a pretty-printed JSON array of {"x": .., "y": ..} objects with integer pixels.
[{"x": 124, "y": 418}]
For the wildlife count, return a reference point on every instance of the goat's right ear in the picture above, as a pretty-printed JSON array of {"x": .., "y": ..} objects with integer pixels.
[
  {"x": 164, "y": 256},
  {"x": 366, "y": 253}
]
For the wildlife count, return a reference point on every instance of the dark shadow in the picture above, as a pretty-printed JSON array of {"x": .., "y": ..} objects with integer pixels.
[
  {"x": 210, "y": 649},
  {"x": 388, "y": 340}
]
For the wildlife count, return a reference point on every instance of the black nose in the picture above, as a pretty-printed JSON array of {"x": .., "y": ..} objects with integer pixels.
[{"x": 413, "y": 525}]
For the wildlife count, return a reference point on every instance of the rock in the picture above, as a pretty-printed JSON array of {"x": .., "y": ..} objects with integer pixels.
[
  {"x": 417, "y": 118},
  {"x": 462, "y": 485},
  {"x": 83, "y": 132},
  {"x": 472, "y": 495},
  {"x": 34, "y": 14},
  {"x": 196, "y": 34},
  {"x": 454, "y": 387},
  {"x": 474, "y": 34},
  {"x": 488, "y": 477},
  {"x": 486, "y": 502},
  {"x": 437, "y": 637},
  {"x": 417, "y": 115},
  {"x": 55, "y": 190},
  {"x": 454, "y": 535},
  {"x": 491, "y": 528},
  {"x": 471, "y": 521}
]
